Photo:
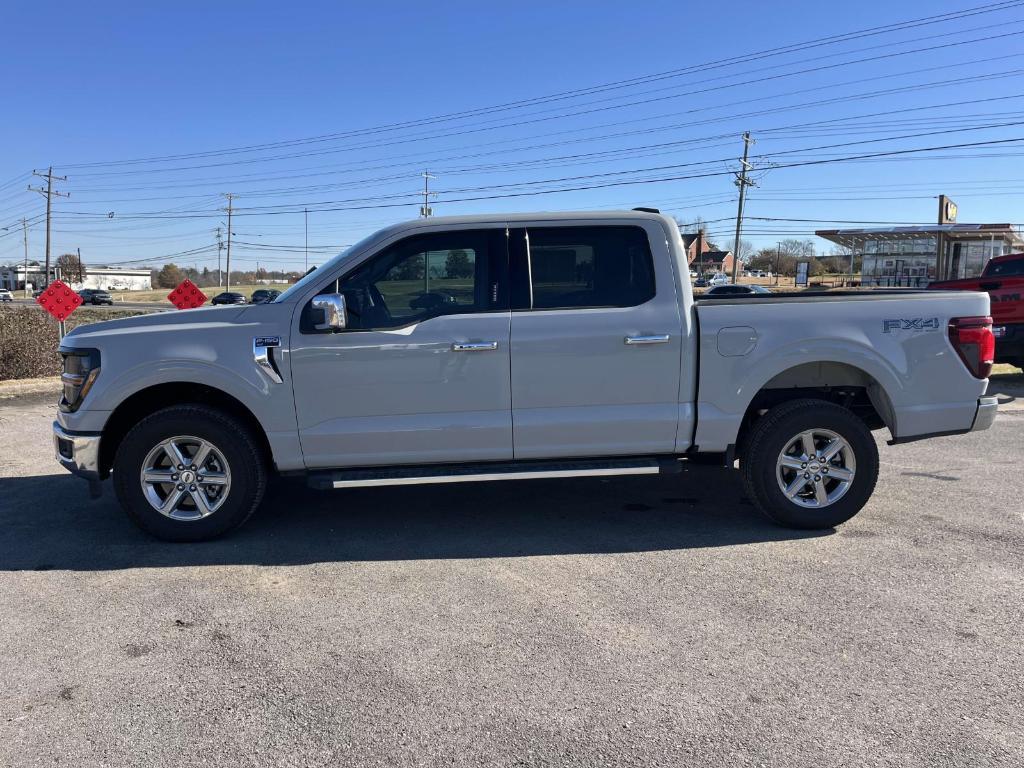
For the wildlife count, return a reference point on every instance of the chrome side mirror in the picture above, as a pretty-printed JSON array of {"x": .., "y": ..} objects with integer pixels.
[{"x": 335, "y": 315}]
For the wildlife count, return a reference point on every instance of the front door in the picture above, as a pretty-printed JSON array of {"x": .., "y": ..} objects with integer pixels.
[
  {"x": 596, "y": 342},
  {"x": 421, "y": 373}
]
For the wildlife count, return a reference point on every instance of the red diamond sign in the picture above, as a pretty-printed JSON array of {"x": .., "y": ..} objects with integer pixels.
[
  {"x": 187, "y": 295},
  {"x": 59, "y": 300}
]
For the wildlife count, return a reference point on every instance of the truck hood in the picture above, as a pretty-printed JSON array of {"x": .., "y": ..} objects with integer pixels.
[{"x": 157, "y": 322}]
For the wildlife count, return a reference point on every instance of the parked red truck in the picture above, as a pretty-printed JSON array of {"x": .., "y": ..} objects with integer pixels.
[{"x": 1003, "y": 280}]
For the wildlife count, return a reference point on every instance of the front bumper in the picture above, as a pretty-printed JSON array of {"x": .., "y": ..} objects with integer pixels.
[
  {"x": 988, "y": 407},
  {"x": 77, "y": 453}
]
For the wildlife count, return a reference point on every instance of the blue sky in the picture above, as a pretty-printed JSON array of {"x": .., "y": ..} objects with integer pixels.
[{"x": 88, "y": 86}]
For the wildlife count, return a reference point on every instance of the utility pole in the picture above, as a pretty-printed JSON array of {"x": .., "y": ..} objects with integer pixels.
[
  {"x": 778, "y": 260},
  {"x": 230, "y": 197},
  {"x": 305, "y": 214},
  {"x": 425, "y": 209},
  {"x": 742, "y": 182},
  {"x": 24, "y": 237},
  {"x": 48, "y": 192},
  {"x": 220, "y": 247}
]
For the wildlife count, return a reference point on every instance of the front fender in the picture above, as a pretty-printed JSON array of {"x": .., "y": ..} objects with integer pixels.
[{"x": 215, "y": 354}]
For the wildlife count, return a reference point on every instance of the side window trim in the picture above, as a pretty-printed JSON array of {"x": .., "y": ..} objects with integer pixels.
[{"x": 529, "y": 269}]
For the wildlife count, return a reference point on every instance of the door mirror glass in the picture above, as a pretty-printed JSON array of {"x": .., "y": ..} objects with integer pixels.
[{"x": 329, "y": 312}]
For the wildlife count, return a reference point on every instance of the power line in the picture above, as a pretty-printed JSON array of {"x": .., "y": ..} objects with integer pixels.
[
  {"x": 818, "y": 42},
  {"x": 601, "y": 185}
]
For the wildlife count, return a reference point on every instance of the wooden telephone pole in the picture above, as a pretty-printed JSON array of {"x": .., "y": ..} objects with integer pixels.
[
  {"x": 742, "y": 182},
  {"x": 230, "y": 197},
  {"x": 48, "y": 191}
]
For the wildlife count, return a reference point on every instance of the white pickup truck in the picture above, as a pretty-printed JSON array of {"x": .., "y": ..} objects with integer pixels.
[{"x": 515, "y": 346}]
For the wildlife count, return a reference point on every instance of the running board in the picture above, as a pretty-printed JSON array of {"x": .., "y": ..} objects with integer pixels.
[{"x": 474, "y": 473}]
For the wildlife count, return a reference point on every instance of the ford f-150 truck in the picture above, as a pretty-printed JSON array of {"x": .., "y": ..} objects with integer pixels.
[
  {"x": 1003, "y": 281},
  {"x": 509, "y": 347}
]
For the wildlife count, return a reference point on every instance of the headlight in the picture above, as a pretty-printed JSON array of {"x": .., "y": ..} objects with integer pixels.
[{"x": 81, "y": 367}]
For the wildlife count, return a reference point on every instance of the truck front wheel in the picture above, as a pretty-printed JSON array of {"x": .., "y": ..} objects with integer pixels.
[
  {"x": 189, "y": 473},
  {"x": 809, "y": 464}
]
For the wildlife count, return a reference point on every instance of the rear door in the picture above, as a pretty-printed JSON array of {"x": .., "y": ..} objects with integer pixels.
[{"x": 596, "y": 341}]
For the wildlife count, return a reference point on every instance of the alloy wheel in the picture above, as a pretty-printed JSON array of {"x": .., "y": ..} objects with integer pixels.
[{"x": 185, "y": 478}]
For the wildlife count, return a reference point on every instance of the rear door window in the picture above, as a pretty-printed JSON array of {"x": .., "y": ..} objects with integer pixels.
[{"x": 582, "y": 267}]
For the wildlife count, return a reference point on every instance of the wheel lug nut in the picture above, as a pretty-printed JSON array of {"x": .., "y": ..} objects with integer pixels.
[
  {"x": 803, "y": 465},
  {"x": 193, "y": 467},
  {"x": 181, "y": 466},
  {"x": 174, "y": 476},
  {"x": 191, "y": 487},
  {"x": 181, "y": 487},
  {"x": 817, "y": 478},
  {"x": 806, "y": 475}
]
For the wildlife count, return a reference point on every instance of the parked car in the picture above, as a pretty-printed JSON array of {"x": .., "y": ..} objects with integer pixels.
[
  {"x": 229, "y": 297},
  {"x": 5, "y": 295},
  {"x": 367, "y": 372},
  {"x": 37, "y": 293},
  {"x": 700, "y": 282},
  {"x": 719, "y": 278},
  {"x": 264, "y": 296},
  {"x": 97, "y": 297},
  {"x": 1003, "y": 280},
  {"x": 738, "y": 290}
]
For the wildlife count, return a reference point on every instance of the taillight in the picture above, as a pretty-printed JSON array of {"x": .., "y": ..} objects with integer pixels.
[{"x": 973, "y": 340}]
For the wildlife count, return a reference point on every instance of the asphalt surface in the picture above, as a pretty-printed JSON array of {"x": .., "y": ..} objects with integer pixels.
[{"x": 623, "y": 622}]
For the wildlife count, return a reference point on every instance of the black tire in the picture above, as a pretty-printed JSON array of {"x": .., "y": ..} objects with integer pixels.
[
  {"x": 248, "y": 472},
  {"x": 773, "y": 432}
]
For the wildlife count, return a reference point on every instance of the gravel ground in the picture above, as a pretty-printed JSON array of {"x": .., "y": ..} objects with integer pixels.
[{"x": 622, "y": 622}]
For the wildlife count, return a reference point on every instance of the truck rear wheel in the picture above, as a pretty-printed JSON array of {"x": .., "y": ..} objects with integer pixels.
[
  {"x": 189, "y": 473},
  {"x": 809, "y": 464}
]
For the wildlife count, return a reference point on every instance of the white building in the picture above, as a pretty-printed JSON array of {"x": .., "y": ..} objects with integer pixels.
[{"x": 13, "y": 278}]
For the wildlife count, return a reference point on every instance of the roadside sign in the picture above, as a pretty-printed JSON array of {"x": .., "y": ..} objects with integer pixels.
[
  {"x": 59, "y": 300},
  {"x": 187, "y": 295},
  {"x": 801, "y": 273}
]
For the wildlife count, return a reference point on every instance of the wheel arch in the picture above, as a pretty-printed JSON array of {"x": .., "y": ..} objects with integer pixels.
[
  {"x": 150, "y": 399},
  {"x": 833, "y": 381}
]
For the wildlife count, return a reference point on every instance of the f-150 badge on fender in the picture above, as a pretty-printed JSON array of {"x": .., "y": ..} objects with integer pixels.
[{"x": 910, "y": 324}]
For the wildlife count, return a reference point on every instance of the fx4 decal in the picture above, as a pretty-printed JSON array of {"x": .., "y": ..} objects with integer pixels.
[{"x": 910, "y": 324}]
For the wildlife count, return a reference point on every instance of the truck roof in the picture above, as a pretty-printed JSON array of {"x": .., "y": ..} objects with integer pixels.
[{"x": 494, "y": 218}]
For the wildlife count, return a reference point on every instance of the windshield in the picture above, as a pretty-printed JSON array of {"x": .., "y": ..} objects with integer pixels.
[{"x": 316, "y": 272}]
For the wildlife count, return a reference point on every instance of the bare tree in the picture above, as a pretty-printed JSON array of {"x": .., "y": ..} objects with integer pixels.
[{"x": 71, "y": 268}]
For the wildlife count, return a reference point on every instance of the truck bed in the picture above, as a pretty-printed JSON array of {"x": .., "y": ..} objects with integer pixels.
[{"x": 893, "y": 342}]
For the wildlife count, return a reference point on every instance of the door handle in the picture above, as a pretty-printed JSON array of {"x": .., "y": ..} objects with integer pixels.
[
  {"x": 657, "y": 338},
  {"x": 474, "y": 346}
]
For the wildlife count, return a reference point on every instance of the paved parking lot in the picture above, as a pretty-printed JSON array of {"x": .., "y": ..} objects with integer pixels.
[{"x": 623, "y": 622}]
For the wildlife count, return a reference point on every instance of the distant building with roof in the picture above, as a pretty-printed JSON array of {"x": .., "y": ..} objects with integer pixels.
[
  {"x": 917, "y": 255},
  {"x": 15, "y": 276}
]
